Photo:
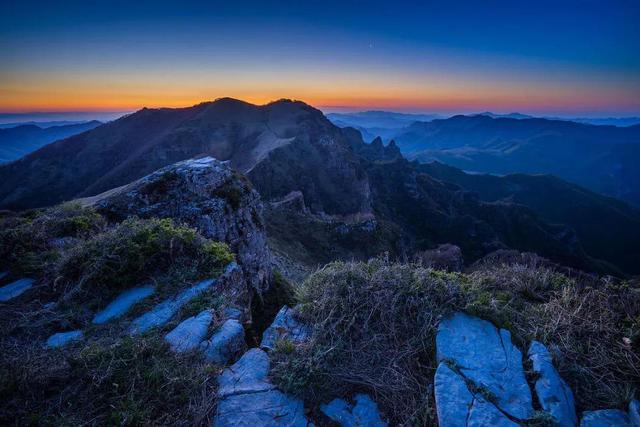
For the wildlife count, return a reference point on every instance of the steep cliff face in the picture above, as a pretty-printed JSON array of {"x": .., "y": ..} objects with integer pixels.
[{"x": 205, "y": 194}]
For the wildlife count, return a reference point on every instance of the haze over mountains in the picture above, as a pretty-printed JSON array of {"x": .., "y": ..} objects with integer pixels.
[
  {"x": 348, "y": 192},
  {"x": 17, "y": 141}
]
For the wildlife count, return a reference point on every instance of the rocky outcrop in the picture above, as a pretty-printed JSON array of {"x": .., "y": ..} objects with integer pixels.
[
  {"x": 207, "y": 195},
  {"x": 553, "y": 393},
  {"x": 444, "y": 257},
  {"x": 485, "y": 358},
  {"x": 284, "y": 326}
]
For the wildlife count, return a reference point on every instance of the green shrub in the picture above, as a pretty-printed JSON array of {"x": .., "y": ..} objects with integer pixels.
[{"x": 137, "y": 250}]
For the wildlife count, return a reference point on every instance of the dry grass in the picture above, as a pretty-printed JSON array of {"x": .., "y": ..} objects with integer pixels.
[
  {"x": 108, "y": 378},
  {"x": 375, "y": 324}
]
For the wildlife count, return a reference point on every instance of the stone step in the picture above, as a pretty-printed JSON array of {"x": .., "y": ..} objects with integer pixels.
[
  {"x": 164, "y": 311},
  {"x": 123, "y": 303},
  {"x": 15, "y": 289},
  {"x": 226, "y": 344},
  {"x": 189, "y": 334},
  {"x": 63, "y": 338}
]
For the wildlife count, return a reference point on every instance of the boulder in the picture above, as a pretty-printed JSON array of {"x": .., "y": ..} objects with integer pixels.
[
  {"x": 63, "y": 338},
  {"x": 553, "y": 393},
  {"x": 247, "y": 398},
  {"x": 364, "y": 413},
  {"x": 15, "y": 289},
  {"x": 205, "y": 194},
  {"x": 226, "y": 344},
  {"x": 190, "y": 333},
  {"x": 123, "y": 303},
  {"x": 284, "y": 326},
  {"x": 164, "y": 311},
  {"x": 486, "y": 357},
  {"x": 605, "y": 418}
]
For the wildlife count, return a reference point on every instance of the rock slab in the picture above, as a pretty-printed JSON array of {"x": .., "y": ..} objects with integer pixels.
[
  {"x": 164, "y": 311},
  {"x": 226, "y": 344},
  {"x": 63, "y": 338},
  {"x": 605, "y": 418},
  {"x": 553, "y": 393},
  {"x": 486, "y": 357},
  {"x": 248, "y": 399},
  {"x": 189, "y": 334},
  {"x": 15, "y": 289},
  {"x": 284, "y": 326},
  {"x": 119, "y": 306}
]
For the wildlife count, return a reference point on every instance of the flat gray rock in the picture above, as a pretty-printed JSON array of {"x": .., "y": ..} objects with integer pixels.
[
  {"x": 284, "y": 326},
  {"x": 485, "y": 414},
  {"x": 247, "y": 398},
  {"x": 247, "y": 375},
  {"x": 226, "y": 343},
  {"x": 123, "y": 303},
  {"x": 63, "y": 338},
  {"x": 266, "y": 408},
  {"x": 189, "y": 334},
  {"x": 634, "y": 413},
  {"x": 164, "y": 311},
  {"x": 605, "y": 418},
  {"x": 453, "y": 398},
  {"x": 554, "y": 394},
  {"x": 486, "y": 356},
  {"x": 15, "y": 289},
  {"x": 364, "y": 413}
]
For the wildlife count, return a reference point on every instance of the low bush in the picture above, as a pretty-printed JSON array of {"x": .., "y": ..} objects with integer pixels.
[
  {"x": 374, "y": 327},
  {"x": 137, "y": 250}
]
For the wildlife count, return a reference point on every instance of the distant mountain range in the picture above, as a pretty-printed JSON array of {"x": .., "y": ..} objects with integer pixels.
[
  {"x": 22, "y": 139},
  {"x": 601, "y": 158},
  {"x": 329, "y": 194}
]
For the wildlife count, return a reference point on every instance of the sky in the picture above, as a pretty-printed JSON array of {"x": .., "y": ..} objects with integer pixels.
[{"x": 571, "y": 57}]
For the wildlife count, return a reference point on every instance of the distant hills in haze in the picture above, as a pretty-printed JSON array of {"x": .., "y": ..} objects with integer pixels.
[
  {"x": 18, "y": 140},
  {"x": 600, "y": 157}
]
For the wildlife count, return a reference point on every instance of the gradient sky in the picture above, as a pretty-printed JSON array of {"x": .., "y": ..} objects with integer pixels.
[{"x": 542, "y": 57}]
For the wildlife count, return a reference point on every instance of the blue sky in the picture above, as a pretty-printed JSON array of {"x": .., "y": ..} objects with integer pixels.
[{"x": 562, "y": 57}]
